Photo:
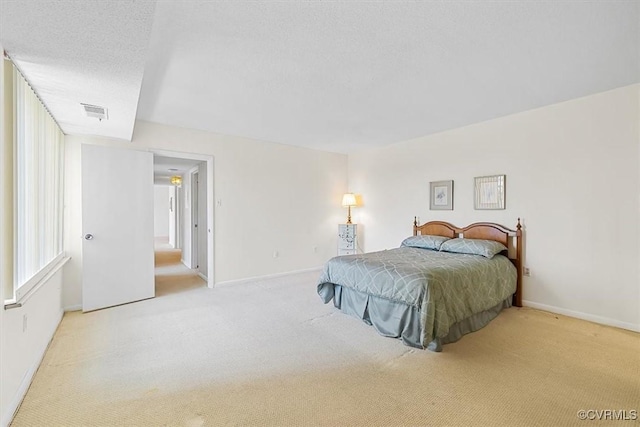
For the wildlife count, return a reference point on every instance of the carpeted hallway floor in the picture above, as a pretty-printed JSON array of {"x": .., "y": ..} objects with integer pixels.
[{"x": 269, "y": 353}]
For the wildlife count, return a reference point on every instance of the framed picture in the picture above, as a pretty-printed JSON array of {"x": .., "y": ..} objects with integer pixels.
[
  {"x": 441, "y": 195},
  {"x": 490, "y": 192}
]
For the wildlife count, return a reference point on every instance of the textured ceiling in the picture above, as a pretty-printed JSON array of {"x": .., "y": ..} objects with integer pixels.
[
  {"x": 77, "y": 51},
  {"x": 166, "y": 167},
  {"x": 332, "y": 75}
]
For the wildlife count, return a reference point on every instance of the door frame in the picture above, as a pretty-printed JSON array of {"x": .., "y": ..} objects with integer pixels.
[{"x": 210, "y": 205}]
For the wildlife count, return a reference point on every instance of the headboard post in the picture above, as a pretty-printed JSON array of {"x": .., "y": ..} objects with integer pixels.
[
  {"x": 517, "y": 297},
  {"x": 415, "y": 225}
]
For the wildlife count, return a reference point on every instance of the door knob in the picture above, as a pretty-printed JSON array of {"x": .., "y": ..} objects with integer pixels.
[{"x": 88, "y": 236}]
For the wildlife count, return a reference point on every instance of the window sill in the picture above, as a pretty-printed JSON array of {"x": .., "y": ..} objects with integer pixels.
[{"x": 18, "y": 302}]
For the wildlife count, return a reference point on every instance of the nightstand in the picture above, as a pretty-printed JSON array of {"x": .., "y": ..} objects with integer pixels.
[{"x": 347, "y": 234}]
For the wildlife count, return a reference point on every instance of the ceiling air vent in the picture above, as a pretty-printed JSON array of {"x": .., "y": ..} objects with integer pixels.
[{"x": 95, "y": 111}]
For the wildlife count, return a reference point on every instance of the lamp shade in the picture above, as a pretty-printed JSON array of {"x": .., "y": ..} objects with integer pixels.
[
  {"x": 349, "y": 199},
  {"x": 176, "y": 180}
]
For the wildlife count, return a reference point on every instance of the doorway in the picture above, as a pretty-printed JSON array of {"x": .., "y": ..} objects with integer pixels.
[{"x": 183, "y": 221}]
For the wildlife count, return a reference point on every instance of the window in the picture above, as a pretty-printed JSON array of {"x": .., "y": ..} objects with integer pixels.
[{"x": 38, "y": 172}]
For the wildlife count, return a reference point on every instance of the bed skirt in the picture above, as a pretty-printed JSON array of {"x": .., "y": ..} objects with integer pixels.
[{"x": 398, "y": 320}]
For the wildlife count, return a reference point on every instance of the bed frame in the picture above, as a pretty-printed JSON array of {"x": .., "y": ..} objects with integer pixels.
[{"x": 481, "y": 230}]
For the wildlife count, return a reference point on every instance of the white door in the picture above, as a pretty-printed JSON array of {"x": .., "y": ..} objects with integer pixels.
[
  {"x": 117, "y": 224},
  {"x": 203, "y": 228},
  {"x": 194, "y": 220}
]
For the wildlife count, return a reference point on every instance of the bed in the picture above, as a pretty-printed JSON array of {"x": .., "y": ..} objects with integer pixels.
[{"x": 440, "y": 284}]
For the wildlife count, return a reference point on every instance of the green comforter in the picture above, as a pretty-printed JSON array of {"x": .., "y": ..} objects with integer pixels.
[{"x": 445, "y": 287}]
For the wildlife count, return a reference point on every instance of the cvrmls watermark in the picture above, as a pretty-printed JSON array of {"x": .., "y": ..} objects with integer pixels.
[{"x": 608, "y": 414}]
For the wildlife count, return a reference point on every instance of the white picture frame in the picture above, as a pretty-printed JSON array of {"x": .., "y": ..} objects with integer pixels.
[{"x": 490, "y": 192}]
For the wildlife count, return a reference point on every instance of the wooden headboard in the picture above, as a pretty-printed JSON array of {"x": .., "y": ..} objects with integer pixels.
[{"x": 481, "y": 230}]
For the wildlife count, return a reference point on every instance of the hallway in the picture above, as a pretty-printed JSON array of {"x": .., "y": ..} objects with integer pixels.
[{"x": 171, "y": 275}]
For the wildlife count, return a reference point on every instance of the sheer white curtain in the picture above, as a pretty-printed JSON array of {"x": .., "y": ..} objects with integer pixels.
[{"x": 38, "y": 173}]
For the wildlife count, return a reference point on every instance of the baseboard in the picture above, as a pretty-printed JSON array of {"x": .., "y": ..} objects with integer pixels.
[
  {"x": 77, "y": 307},
  {"x": 268, "y": 276},
  {"x": 584, "y": 316},
  {"x": 27, "y": 379},
  {"x": 203, "y": 277}
]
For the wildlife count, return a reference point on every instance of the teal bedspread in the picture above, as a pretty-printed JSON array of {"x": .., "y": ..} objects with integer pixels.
[{"x": 445, "y": 287}]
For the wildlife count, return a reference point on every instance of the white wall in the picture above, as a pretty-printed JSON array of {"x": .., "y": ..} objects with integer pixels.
[
  {"x": 572, "y": 176},
  {"x": 25, "y": 342},
  {"x": 161, "y": 210},
  {"x": 272, "y": 198},
  {"x": 173, "y": 217}
]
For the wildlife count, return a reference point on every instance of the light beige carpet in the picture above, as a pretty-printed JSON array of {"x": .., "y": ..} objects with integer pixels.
[{"x": 269, "y": 353}]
